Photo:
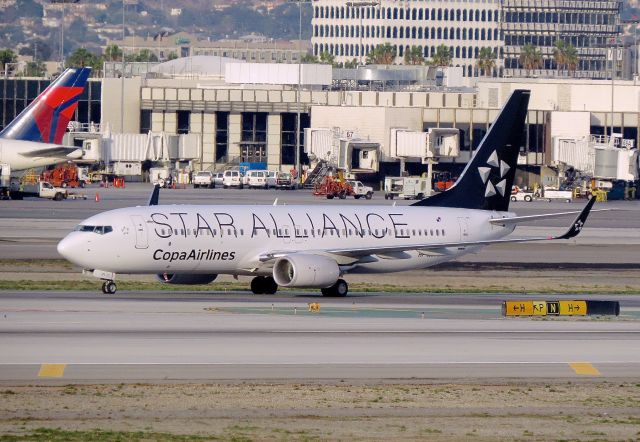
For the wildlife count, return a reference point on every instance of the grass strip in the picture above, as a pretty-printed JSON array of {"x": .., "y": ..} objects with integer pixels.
[
  {"x": 94, "y": 285},
  {"x": 59, "y": 435}
]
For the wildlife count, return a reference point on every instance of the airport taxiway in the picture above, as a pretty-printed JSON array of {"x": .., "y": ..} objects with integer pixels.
[{"x": 186, "y": 336}]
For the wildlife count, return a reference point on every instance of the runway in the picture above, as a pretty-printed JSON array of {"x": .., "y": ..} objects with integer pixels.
[{"x": 188, "y": 337}]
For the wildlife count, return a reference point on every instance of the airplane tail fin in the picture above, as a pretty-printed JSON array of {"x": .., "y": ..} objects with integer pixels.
[
  {"x": 45, "y": 120},
  {"x": 486, "y": 181}
]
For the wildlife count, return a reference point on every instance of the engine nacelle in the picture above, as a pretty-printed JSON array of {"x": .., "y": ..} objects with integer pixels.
[
  {"x": 185, "y": 278},
  {"x": 305, "y": 270}
]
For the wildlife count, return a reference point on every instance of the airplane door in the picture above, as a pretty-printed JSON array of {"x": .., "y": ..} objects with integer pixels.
[
  {"x": 464, "y": 228},
  {"x": 142, "y": 241}
]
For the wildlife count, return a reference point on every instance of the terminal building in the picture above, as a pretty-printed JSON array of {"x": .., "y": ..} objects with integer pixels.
[{"x": 249, "y": 113}]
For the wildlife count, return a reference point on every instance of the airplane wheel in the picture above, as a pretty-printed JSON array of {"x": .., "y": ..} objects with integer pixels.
[
  {"x": 258, "y": 285},
  {"x": 339, "y": 289},
  {"x": 270, "y": 286},
  {"x": 109, "y": 287}
]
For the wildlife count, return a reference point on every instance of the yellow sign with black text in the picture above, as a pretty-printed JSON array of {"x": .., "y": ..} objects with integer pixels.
[{"x": 573, "y": 308}]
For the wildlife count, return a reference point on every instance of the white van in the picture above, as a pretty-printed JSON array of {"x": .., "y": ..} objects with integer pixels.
[
  {"x": 232, "y": 178},
  {"x": 256, "y": 178},
  {"x": 271, "y": 179}
]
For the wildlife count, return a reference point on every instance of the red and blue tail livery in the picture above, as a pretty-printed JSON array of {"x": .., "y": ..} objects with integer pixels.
[{"x": 45, "y": 120}]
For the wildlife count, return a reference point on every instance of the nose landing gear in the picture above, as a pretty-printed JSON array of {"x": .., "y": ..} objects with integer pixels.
[{"x": 109, "y": 287}]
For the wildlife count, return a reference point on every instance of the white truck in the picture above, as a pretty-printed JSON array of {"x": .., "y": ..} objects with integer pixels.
[
  {"x": 360, "y": 190},
  {"x": 411, "y": 187},
  {"x": 42, "y": 189},
  {"x": 203, "y": 179}
]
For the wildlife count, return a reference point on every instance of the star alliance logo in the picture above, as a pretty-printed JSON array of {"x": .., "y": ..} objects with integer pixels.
[
  {"x": 491, "y": 187},
  {"x": 578, "y": 225}
]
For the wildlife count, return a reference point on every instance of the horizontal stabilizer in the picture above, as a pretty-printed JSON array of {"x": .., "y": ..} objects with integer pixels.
[{"x": 54, "y": 152}]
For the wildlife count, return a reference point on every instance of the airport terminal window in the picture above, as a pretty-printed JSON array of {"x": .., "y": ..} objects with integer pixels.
[
  {"x": 222, "y": 136},
  {"x": 183, "y": 122},
  {"x": 145, "y": 121}
]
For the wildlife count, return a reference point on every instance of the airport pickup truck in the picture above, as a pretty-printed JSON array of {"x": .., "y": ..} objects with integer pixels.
[
  {"x": 42, "y": 189},
  {"x": 360, "y": 190},
  {"x": 203, "y": 179}
]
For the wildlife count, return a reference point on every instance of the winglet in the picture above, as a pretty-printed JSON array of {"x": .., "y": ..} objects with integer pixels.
[
  {"x": 155, "y": 195},
  {"x": 578, "y": 224}
]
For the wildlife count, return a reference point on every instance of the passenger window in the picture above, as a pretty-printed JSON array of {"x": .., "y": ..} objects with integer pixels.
[
  {"x": 437, "y": 232},
  {"x": 431, "y": 232}
]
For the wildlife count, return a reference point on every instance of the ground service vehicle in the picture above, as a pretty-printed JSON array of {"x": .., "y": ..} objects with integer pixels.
[
  {"x": 255, "y": 179},
  {"x": 271, "y": 179},
  {"x": 284, "y": 180},
  {"x": 232, "y": 178},
  {"x": 359, "y": 190},
  {"x": 217, "y": 179},
  {"x": 203, "y": 179},
  {"x": 411, "y": 187}
]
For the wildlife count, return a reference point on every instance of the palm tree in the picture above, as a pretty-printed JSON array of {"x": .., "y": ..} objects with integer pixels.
[
  {"x": 413, "y": 56},
  {"x": 7, "y": 56},
  {"x": 530, "y": 57},
  {"x": 113, "y": 53},
  {"x": 560, "y": 54},
  {"x": 382, "y": 54},
  {"x": 442, "y": 57},
  {"x": 327, "y": 58},
  {"x": 486, "y": 61},
  {"x": 571, "y": 58}
]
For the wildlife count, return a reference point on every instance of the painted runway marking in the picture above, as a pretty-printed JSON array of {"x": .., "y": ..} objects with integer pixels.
[
  {"x": 584, "y": 369},
  {"x": 51, "y": 370}
]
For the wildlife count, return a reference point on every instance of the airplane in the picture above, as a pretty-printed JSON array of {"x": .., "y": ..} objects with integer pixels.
[
  {"x": 33, "y": 138},
  {"x": 313, "y": 246}
]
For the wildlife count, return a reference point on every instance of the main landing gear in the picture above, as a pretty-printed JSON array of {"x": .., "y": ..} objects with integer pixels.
[
  {"x": 337, "y": 290},
  {"x": 109, "y": 287},
  {"x": 263, "y": 285}
]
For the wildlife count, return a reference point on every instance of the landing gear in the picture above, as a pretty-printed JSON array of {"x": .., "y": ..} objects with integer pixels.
[
  {"x": 109, "y": 287},
  {"x": 263, "y": 285},
  {"x": 337, "y": 290}
]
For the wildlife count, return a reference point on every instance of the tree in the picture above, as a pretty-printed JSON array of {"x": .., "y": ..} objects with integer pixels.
[
  {"x": 442, "y": 57},
  {"x": 382, "y": 54},
  {"x": 309, "y": 59},
  {"x": 145, "y": 55},
  {"x": 572, "y": 58},
  {"x": 560, "y": 54},
  {"x": 530, "y": 57},
  {"x": 413, "y": 56},
  {"x": 327, "y": 58},
  {"x": 486, "y": 61},
  {"x": 7, "y": 56},
  {"x": 172, "y": 56},
  {"x": 112, "y": 53},
  {"x": 352, "y": 64},
  {"x": 81, "y": 58},
  {"x": 34, "y": 69}
]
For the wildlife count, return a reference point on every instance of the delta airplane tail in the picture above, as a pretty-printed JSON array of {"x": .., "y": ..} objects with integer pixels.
[
  {"x": 45, "y": 120},
  {"x": 486, "y": 181}
]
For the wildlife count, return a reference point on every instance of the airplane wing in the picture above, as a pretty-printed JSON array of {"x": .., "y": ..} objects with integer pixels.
[
  {"x": 522, "y": 219},
  {"x": 55, "y": 152},
  {"x": 398, "y": 251}
]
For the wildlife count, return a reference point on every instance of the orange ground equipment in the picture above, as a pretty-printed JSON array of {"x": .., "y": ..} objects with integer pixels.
[
  {"x": 333, "y": 188},
  {"x": 64, "y": 175}
]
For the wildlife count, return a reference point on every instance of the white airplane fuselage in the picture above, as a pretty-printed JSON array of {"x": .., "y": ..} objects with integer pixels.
[
  {"x": 15, "y": 153},
  {"x": 235, "y": 239}
]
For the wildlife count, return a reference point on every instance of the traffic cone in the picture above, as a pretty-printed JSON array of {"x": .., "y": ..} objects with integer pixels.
[{"x": 97, "y": 197}]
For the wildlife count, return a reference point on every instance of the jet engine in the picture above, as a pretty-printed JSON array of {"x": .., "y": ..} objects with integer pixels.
[
  {"x": 305, "y": 270},
  {"x": 185, "y": 278}
]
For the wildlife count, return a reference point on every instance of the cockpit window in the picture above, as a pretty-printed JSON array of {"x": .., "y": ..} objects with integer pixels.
[{"x": 100, "y": 230}]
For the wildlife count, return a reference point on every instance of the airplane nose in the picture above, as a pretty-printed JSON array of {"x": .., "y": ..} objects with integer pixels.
[
  {"x": 76, "y": 154},
  {"x": 64, "y": 247}
]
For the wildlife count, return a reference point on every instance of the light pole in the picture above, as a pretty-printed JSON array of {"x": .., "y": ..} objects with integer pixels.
[
  {"x": 297, "y": 156},
  {"x": 122, "y": 73},
  {"x": 361, "y": 5},
  {"x": 64, "y": 3}
]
